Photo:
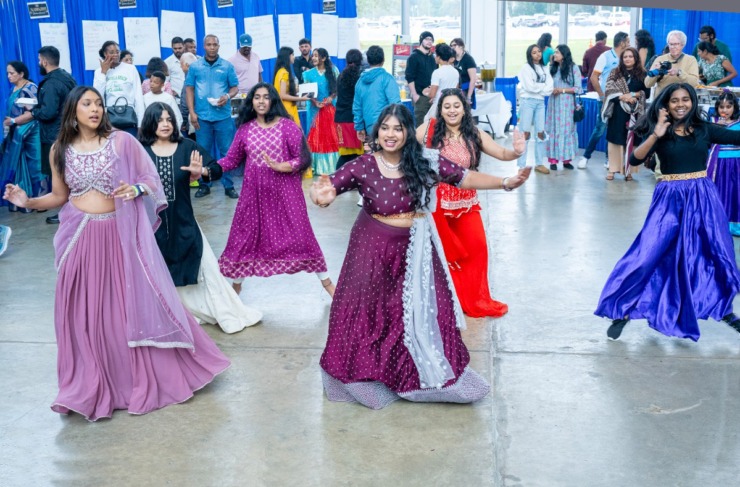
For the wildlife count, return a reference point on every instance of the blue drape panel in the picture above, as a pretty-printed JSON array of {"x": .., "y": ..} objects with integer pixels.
[
  {"x": 19, "y": 37},
  {"x": 9, "y": 50},
  {"x": 28, "y": 36}
]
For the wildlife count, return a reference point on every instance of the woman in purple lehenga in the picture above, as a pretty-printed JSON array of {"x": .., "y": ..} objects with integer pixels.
[
  {"x": 270, "y": 233},
  {"x": 124, "y": 339},
  {"x": 723, "y": 166},
  {"x": 681, "y": 267},
  {"x": 394, "y": 327}
]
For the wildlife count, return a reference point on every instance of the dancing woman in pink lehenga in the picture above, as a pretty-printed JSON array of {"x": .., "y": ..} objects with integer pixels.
[{"x": 124, "y": 339}]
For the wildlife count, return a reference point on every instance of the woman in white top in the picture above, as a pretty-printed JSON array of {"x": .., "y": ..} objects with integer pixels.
[
  {"x": 116, "y": 80},
  {"x": 535, "y": 83},
  {"x": 445, "y": 76}
]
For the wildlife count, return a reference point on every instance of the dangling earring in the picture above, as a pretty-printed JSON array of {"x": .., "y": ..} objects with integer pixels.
[{"x": 74, "y": 125}]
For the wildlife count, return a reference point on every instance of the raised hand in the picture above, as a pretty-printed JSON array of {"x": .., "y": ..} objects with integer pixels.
[
  {"x": 196, "y": 166},
  {"x": 520, "y": 143},
  {"x": 323, "y": 191},
  {"x": 15, "y": 195},
  {"x": 663, "y": 123}
]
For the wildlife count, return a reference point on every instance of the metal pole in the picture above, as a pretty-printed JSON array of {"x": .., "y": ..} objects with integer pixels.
[
  {"x": 465, "y": 21},
  {"x": 406, "y": 17},
  {"x": 501, "y": 40}
]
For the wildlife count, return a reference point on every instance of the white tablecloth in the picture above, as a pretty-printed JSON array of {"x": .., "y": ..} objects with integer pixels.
[{"x": 493, "y": 111}]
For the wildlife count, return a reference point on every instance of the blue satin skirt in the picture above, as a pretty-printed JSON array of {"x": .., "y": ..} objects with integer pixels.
[{"x": 681, "y": 267}]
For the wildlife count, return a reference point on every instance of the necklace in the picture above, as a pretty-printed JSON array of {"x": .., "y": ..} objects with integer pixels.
[{"x": 387, "y": 165}]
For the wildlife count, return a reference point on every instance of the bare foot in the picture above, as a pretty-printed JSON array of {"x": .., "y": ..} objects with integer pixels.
[
  {"x": 237, "y": 287},
  {"x": 329, "y": 286}
]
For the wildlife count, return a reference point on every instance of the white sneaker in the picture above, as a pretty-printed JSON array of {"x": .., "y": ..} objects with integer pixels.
[
  {"x": 606, "y": 163},
  {"x": 582, "y": 163},
  {"x": 359, "y": 201}
]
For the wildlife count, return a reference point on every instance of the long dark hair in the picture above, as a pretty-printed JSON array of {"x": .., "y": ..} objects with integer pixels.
[
  {"x": 691, "y": 121},
  {"x": 544, "y": 41},
  {"x": 638, "y": 70},
  {"x": 283, "y": 62},
  {"x": 565, "y": 66},
  {"x": 150, "y": 122},
  {"x": 643, "y": 39},
  {"x": 468, "y": 130},
  {"x": 417, "y": 170},
  {"x": 351, "y": 73},
  {"x": 530, "y": 61},
  {"x": 730, "y": 97},
  {"x": 707, "y": 46},
  {"x": 247, "y": 113},
  {"x": 329, "y": 70},
  {"x": 68, "y": 131}
]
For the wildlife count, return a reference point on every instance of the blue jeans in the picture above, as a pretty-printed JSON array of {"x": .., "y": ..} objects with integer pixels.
[
  {"x": 596, "y": 135},
  {"x": 222, "y": 133},
  {"x": 532, "y": 115}
]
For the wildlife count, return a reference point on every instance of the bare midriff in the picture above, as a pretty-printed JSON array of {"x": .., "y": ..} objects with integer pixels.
[{"x": 93, "y": 202}]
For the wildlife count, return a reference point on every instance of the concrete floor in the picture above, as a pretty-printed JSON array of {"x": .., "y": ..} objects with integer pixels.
[{"x": 568, "y": 407}]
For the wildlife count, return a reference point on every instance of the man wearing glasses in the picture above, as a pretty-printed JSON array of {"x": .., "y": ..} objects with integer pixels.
[
  {"x": 683, "y": 68},
  {"x": 707, "y": 34}
]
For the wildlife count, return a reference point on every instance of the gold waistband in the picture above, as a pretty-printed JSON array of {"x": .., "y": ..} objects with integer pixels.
[
  {"x": 399, "y": 216},
  {"x": 684, "y": 176}
]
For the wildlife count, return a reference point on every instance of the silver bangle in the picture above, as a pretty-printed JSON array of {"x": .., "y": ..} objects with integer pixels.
[{"x": 503, "y": 185}]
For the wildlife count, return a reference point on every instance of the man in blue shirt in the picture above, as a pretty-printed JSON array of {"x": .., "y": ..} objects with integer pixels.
[
  {"x": 210, "y": 85},
  {"x": 604, "y": 64}
]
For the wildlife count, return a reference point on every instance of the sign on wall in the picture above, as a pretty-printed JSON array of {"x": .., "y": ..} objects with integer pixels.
[{"x": 38, "y": 10}]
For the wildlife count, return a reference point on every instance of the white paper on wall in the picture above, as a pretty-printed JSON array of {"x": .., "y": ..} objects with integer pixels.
[
  {"x": 94, "y": 34},
  {"x": 324, "y": 32},
  {"x": 225, "y": 30},
  {"x": 262, "y": 30},
  {"x": 176, "y": 24},
  {"x": 348, "y": 36},
  {"x": 290, "y": 31},
  {"x": 57, "y": 35},
  {"x": 142, "y": 38}
]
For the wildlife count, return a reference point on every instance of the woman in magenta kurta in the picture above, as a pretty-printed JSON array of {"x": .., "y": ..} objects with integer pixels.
[{"x": 270, "y": 233}]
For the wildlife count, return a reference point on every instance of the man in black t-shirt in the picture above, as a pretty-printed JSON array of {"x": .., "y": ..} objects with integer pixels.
[
  {"x": 419, "y": 69},
  {"x": 303, "y": 62}
]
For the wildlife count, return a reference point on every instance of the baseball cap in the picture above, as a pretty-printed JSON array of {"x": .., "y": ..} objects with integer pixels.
[
  {"x": 245, "y": 40},
  {"x": 424, "y": 35}
]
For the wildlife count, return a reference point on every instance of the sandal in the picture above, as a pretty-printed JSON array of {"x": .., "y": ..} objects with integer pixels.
[
  {"x": 628, "y": 177},
  {"x": 610, "y": 176}
]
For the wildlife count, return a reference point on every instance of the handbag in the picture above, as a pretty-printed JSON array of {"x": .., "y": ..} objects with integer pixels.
[
  {"x": 122, "y": 116},
  {"x": 579, "y": 113}
]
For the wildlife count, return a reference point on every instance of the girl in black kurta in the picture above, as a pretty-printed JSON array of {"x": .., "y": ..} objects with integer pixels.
[{"x": 189, "y": 258}]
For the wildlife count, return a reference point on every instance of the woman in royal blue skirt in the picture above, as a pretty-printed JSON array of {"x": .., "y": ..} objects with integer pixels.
[{"x": 681, "y": 267}]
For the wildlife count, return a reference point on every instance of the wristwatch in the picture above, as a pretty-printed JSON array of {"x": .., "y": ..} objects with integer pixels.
[
  {"x": 680, "y": 72},
  {"x": 12, "y": 121}
]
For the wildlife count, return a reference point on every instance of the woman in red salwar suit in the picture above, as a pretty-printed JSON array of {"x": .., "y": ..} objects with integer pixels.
[{"x": 457, "y": 216}]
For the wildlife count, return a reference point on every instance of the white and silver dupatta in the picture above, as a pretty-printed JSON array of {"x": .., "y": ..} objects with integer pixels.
[{"x": 421, "y": 327}]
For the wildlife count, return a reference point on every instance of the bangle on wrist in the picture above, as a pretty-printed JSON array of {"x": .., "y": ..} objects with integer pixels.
[{"x": 503, "y": 185}]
